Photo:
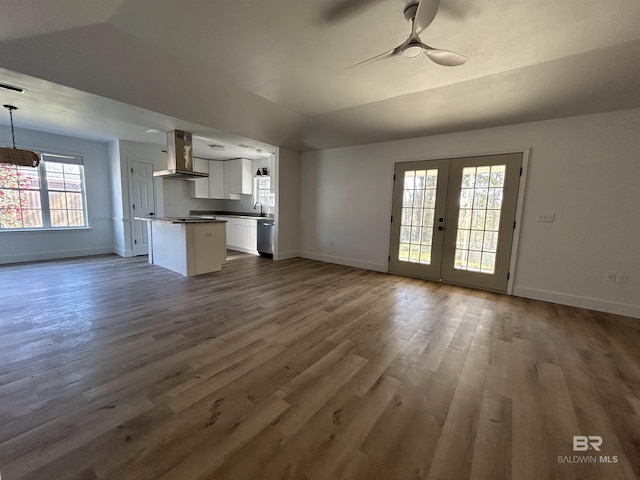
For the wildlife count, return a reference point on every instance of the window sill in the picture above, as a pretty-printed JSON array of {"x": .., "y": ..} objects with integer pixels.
[{"x": 46, "y": 230}]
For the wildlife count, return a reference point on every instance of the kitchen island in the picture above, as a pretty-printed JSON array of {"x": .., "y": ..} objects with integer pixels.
[{"x": 189, "y": 246}]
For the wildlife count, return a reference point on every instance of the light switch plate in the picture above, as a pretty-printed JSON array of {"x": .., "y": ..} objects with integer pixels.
[
  {"x": 546, "y": 217},
  {"x": 622, "y": 278}
]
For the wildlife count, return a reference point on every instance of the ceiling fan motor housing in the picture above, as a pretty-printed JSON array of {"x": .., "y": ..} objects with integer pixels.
[
  {"x": 410, "y": 12},
  {"x": 412, "y": 50}
]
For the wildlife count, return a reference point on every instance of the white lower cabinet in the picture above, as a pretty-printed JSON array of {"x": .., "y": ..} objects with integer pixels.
[
  {"x": 232, "y": 232},
  {"x": 241, "y": 234},
  {"x": 247, "y": 236}
]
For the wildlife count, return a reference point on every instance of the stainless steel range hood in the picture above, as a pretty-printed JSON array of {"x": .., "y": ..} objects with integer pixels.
[{"x": 179, "y": 157}]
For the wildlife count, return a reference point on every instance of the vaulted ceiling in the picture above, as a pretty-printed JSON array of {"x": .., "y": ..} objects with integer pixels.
[{"x": 275, "y": 70}]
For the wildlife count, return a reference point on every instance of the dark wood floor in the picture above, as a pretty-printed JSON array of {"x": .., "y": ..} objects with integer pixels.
[{"x": 112, "y": 368}]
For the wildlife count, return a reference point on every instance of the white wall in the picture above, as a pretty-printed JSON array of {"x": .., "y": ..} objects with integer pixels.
[
  {"x": 585, "y": 169},
  {"x": 98, "y": 239},
  {"x": 287, "y": 175},
  {"x": 121, "y": 225}
]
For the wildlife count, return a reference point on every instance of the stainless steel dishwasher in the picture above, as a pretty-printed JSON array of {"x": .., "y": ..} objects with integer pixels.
[{"x": 266, "y": 232}]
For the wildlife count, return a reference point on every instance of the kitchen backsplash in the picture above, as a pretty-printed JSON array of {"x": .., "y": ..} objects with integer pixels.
[
  {"x": 245, "y": 204},
  {"x": 177, "y": 201}
]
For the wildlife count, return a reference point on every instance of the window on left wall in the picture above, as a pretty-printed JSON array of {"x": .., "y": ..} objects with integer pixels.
[{"x": 51, "y": 196}]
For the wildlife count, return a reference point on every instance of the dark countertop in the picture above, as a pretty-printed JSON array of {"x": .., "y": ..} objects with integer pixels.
[
  {"x": 249, "y": 215},
  {"x": 180, "y": 219},
  {"x": 222, "y": 213}
]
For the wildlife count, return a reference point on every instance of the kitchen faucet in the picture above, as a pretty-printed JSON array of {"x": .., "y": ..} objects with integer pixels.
[{"x": 256, "y": 206}]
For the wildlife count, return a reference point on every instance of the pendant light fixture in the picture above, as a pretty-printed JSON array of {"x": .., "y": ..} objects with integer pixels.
[{"x": 16, "y": 156}]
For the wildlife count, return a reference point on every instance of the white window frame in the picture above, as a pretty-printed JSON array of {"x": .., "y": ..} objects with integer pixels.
[
  {"x": 256, "y": 192},
  {"x": 44, "y": 194}
]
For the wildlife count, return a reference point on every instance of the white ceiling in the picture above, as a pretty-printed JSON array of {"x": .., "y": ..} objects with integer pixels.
[
  {"x": 274, "y": 71},
  {"x": 54, "y": 108}
]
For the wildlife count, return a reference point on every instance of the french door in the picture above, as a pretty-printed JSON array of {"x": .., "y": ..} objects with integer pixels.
[{"x": 453, "y": 219}]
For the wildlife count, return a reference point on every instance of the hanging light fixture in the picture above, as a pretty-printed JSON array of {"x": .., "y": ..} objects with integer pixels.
[{"x": 16, "y": 156}]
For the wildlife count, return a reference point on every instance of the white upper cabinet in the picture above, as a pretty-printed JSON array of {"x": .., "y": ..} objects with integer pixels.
[
  {"x": 226, "y": 179},
  {"x": 213, "y": 185},
  {"x": 238, "y": 177},
  {"x": 201, "y": 184},
  {"x": 216, "y": 179},
  {"x": 247, "y": 177}
]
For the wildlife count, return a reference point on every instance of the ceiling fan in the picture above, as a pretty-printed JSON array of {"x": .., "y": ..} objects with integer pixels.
[{"x": 420, "y": 15}]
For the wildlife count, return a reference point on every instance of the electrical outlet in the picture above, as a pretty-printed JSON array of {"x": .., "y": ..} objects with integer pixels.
[
  {"x": 610, "y": 276},
  {"x": 546, "y": 217},
  {"x": 622, "y": 278}
]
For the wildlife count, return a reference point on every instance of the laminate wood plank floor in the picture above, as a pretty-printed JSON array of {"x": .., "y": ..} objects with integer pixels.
[{"x": 111, "y": 368}]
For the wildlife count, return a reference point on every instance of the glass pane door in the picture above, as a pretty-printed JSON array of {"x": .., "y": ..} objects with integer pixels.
[
  {"x": 480, "y": 216},
  {"x": 453, "y": 219},
  {"x": 418, "y": 210}
]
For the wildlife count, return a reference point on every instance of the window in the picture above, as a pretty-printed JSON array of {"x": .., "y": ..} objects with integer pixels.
[
  {"x": 263, "y": 192},
  {"x": 49, "y": 196}
]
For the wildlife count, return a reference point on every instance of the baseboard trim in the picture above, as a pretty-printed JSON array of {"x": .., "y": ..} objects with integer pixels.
[
  {"x": 518, "y": 291},
  {"x": 123, "y": 253},
  {"x": 53, "y": 255},
  {"x": 578, "y": 301},
  {"x": 285, "y": 255},
  {"x": 349, "y": 262}
]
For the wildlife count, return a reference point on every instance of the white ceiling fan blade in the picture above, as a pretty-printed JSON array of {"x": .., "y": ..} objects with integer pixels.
[
  {"x": 343, "y": 10},
  {"x": 445, "y": 57},
  {"x": 425, "y": 14},
  {"x": 390, "y": 53}
]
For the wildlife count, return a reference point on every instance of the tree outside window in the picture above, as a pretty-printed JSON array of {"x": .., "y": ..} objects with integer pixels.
[
  {"x": 49, "y": 196},
  {"x": 20, "y": 205}
]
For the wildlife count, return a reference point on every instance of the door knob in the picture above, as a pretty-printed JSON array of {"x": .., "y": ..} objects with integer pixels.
[
  {"x": 441, "y": 219},
  {"x": 151, "y": 214},
  {"x": 440, "y": 228}
]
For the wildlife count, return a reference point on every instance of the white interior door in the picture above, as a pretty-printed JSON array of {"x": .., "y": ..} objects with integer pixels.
[
  {"x": 472, "y": 224},
  {"x": 141, "y": 203}
]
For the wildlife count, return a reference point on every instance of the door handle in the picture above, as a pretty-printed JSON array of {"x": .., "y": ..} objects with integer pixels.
[{"x": 151, "y": 214}]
